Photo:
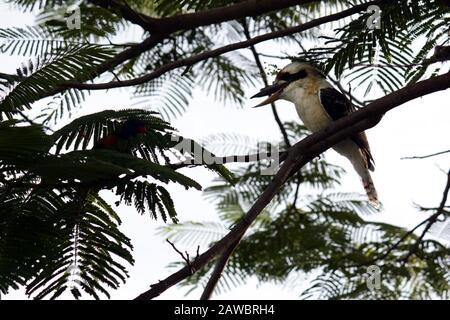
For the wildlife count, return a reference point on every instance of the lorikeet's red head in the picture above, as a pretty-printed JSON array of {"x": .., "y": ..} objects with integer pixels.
[{"x": 130, "y": 128}]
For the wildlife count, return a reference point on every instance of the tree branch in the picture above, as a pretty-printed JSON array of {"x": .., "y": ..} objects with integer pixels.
[
  {"x": 217, "y": 272},
  {"x": 146, "y": 22},
  {"x": 249, "y": 8},
  {"x": 426, "y": 156},
  {"x": 300, "y": 154},
  {"x": 357, "y": 103},
  {"x": 186, "y": 62},
  {"x": 185, "y": 256}
]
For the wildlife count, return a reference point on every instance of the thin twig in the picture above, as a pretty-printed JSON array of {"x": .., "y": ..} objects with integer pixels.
[
  {"x": 391, "y": 65},
  {"x": 347, "y": 93},
  {"x": 426, "y": 156},
  {"x": 185, "y": 256},
  {"x": 274, "y": 56},
  {"x": 297, "y": 188},
  {"x": 431, "y": 220},
  {"x": 115, "y": 76}
]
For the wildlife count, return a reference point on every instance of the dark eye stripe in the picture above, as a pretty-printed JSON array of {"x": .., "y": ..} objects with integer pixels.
[{"x": 292, "y": 77}]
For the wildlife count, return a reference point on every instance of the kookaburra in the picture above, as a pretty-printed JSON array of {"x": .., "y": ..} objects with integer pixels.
[{"x": 318, "y": 104}]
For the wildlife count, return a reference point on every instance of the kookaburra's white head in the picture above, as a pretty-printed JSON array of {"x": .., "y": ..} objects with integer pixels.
[{"x": 294, "y": 76}]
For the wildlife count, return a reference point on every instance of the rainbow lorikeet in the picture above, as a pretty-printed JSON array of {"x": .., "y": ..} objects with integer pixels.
[{"x": 120, "y": 139}]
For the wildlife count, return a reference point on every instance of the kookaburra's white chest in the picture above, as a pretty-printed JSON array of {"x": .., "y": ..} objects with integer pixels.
[{"x": 309, "y": 108}]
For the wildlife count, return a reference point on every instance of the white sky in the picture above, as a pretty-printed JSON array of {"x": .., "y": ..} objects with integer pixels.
[{"x": 417, "y": 128}]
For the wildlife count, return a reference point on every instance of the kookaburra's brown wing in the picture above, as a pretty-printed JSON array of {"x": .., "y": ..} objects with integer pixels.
[{"x": 338, "y": 106}]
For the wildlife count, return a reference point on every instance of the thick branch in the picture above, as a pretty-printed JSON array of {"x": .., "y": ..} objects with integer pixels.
[
  {"x": 217, "y": 271},
  {"x": 298, "y": 156},
  {"x": 249, "y": 8},
  {"x": 146, "y": 22},
  {"x": 197, "y": 19},
  {"x": 219, "y": 51}
]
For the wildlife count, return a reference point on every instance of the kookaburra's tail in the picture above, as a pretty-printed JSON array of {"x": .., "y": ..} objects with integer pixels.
[
  {"x": 362, "y": 162},
  {"x": 362, "y": 166},
  {"x": 370, "y": 189}
]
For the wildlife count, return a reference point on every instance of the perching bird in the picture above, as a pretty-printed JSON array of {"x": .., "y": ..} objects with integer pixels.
[
  {"x": 318, "y": 104},
  {"x": 120, "y": 140}
]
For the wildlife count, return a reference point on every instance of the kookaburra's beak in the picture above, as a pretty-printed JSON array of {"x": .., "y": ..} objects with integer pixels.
[{"x": 273, "y": 91}]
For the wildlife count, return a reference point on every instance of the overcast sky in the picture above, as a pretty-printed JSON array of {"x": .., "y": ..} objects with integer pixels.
[{"x": 417, "y": 128}]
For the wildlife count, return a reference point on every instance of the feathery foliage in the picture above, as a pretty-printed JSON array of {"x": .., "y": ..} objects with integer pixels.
[
  {"x": 43, "y": 76},
  {"x": 52, "y": 210}
]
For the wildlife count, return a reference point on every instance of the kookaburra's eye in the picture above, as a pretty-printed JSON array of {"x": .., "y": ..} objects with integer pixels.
[
  {"x": 284, "y": 76},
  {"x": 299, "y": 75},
  {"x": 292, "y": 76}
]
